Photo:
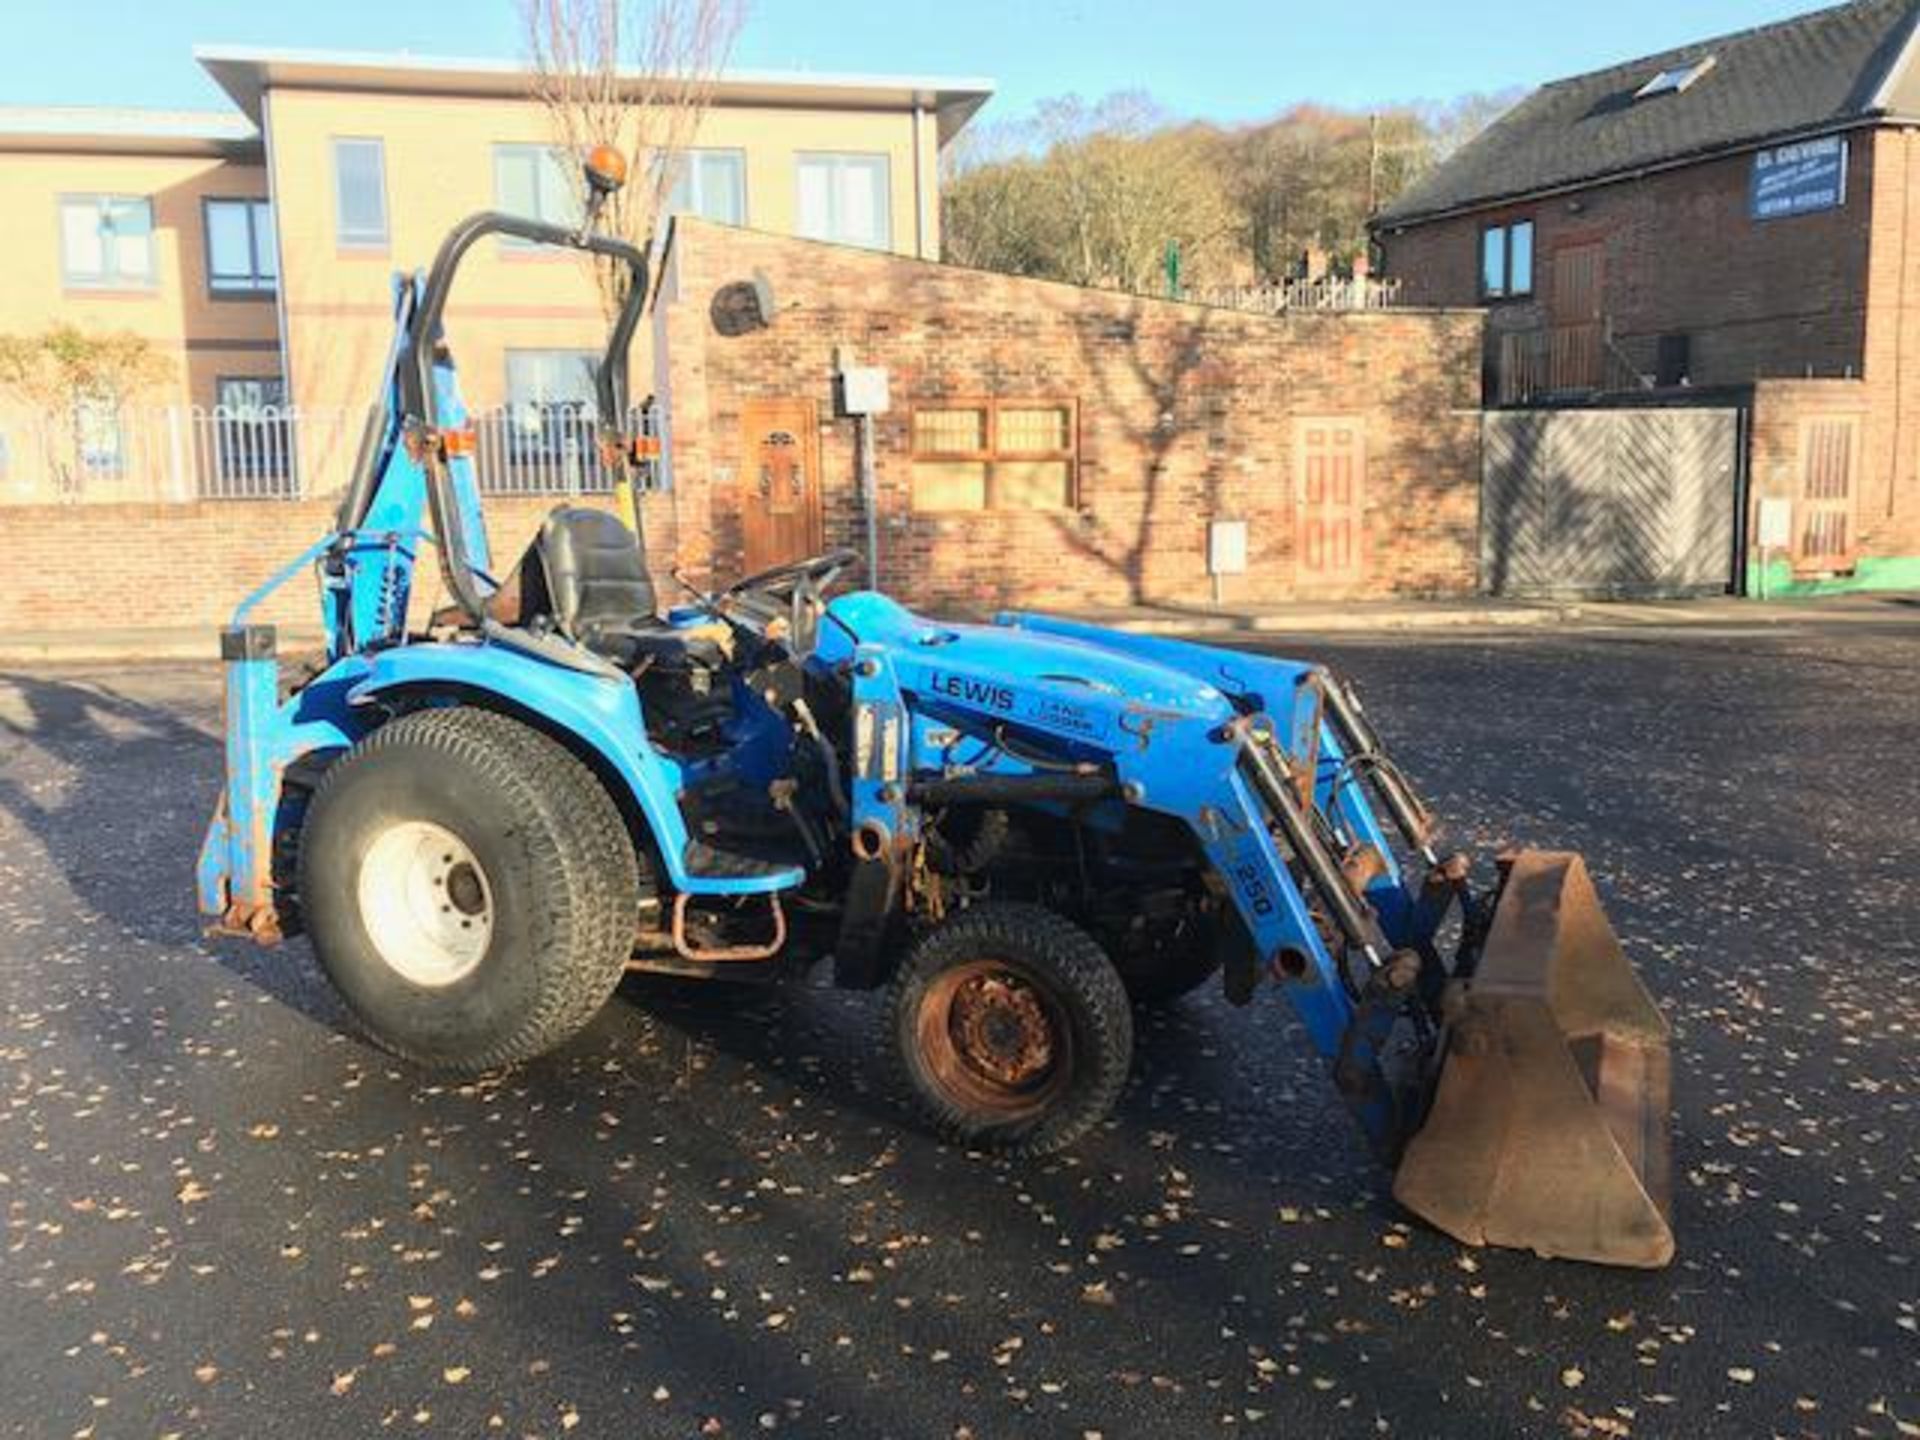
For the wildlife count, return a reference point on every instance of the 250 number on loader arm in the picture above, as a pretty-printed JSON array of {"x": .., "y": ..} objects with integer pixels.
[{"x": 1019, "y": 829}]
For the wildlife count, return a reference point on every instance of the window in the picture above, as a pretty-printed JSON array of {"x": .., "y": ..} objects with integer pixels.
[
  {"x": 1506, "y": 260},
  {"x": 106, "y": 240},
  {"x": 250, "y": 394},
  {"x": 360, "y": 194},
  {"x": 538, "y": 182},
  {"x": 240, "y": 256},
  {"x": 552, "y": 421},
  {"x": 844, "y": 198},
  {"x": 1676, "y": 78},
  {"x": 550, "y": 377},
  {"x": 252, "y": 429},
  {"x": 98, "y": 437},
  {"x": 995, "y": 455},
  {"x": 711, "y": 184}
]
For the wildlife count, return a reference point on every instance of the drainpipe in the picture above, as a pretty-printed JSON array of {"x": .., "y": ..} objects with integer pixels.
[
  {"x": 919, "y": 189},
  {"x": 1900, "y": 303},
  {"x": 292, "y": 396}
]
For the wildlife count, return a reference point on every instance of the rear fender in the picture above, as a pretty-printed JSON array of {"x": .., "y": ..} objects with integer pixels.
[{"x": 599, "y": 715}]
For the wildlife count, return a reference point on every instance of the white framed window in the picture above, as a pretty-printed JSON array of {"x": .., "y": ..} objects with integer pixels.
[
  {"x": 106, "y": 241},
  {"x": 552, "y": 423},
  {"x": 536, "y": 182},
  {"x": 711, "y": 184},
  {"x": 250, "y": 394},
  {"x": 537, "y": 378},
  {"x": 843, "y": 198},
  {"x": 360, "y": 194},
  {"x": 100, "y": 440},
  {"x": 252, "y": 431},
  {"x": 240, "y": 254}
]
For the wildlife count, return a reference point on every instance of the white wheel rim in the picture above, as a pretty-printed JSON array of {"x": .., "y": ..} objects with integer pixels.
[{"x": 425, "y": 902}]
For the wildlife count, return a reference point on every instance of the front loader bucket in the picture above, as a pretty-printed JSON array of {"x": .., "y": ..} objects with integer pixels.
[{"x": 1548, "y": 1129}]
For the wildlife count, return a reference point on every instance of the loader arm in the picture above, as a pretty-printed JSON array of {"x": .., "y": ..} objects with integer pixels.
[
  {"x": 1227, "y": 772},
  {"x": 1520, "y": 1084}
]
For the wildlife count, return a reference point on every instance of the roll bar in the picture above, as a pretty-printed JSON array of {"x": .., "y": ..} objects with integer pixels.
[
  {"x": 416, "y": 380},
  {"x": 418, "y": 401}
]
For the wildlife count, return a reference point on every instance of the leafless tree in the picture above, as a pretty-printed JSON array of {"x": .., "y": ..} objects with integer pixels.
[
  {"x": 1094, "y": 194},
  {"x": 634, "y": 74}
]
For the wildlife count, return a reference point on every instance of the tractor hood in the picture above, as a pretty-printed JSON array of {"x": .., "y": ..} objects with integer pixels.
[{"x": 1058, "y": 682}]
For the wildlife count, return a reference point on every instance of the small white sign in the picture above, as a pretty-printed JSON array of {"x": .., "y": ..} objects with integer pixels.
[
  {"x": 1775, "y": 525},
  {"x": 863, "y": 390},
  {"x": 1227, "y": 547}
]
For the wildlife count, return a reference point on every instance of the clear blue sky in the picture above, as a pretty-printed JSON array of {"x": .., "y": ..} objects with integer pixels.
[{"x": 1219, "y": 59}]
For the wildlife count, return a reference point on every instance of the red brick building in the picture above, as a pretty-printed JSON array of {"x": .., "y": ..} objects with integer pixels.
[{"x": 1721, "y": 218}]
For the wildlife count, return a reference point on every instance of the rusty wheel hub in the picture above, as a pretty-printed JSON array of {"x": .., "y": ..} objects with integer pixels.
[
  {"x": 1001, "y": 1029},
  {"x": 992, "y": 1039}
]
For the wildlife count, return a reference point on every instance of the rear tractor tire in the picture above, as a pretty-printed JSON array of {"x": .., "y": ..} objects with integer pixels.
[
  {"x": 1011, "y": 1028},
  {"x": 469, "y": 887}
]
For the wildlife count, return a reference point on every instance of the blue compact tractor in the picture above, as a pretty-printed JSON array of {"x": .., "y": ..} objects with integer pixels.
[{"x": 484, "y": 817}]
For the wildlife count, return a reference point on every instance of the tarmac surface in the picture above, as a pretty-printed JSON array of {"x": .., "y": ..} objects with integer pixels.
[{"x": 225, "y": 1214}]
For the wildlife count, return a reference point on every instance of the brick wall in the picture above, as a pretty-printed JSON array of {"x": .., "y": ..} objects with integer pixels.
[
  {"x": 1187, "y": 414},
  {"x": 81, "y": 567},
  {"x": 1888, "y": 503},
  {"x": 1781, "y": 410}
]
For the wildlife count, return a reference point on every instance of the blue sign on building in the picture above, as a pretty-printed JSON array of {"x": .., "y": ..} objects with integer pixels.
[{"x": 1799, "y": 179}]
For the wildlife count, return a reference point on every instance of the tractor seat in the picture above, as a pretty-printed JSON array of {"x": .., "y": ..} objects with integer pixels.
[{"x": 599, "y": 593}]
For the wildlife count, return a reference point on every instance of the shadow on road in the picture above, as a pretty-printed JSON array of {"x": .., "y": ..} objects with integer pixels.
[{"x": 120, "y": 813}]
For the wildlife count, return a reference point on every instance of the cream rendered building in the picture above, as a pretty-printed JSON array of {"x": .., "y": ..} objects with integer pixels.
[{"x": 258, "y": 248}]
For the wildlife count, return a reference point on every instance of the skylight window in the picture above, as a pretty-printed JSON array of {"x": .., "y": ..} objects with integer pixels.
[{"x": 1673, "y": 81}]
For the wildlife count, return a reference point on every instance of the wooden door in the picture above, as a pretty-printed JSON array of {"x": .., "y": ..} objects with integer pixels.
[
  {"x": 780, "y": 512},
  {"x": 1330, "y": 469},
  {"x": 1577, "y": 339},
  {"x": 1823, "y": 537}
]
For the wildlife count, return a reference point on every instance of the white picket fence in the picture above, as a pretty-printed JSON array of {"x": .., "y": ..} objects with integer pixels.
[
  {"x": 177, "y": 453},
  {"x": 1327, "y": 292}
]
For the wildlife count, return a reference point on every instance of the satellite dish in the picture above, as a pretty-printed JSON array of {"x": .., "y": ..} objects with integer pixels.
[{"x": 743, "y": 306}]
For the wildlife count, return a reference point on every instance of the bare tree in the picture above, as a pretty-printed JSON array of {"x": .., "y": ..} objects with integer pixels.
[
  {"x": 1093, "y": 194},
  {"x": 1452, "y": 123},
  {"x": 1097, "y": 193},
  {"x": 634, "y": 74}
]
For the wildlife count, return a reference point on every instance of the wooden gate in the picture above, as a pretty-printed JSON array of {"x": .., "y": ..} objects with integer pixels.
[
  {"x": 1621, "y": 502},
  {"x": 1330, "y": 466},
  {"x": 780, "y": 513}
]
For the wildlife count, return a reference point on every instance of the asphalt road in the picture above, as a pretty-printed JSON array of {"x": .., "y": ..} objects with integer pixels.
[{"x": 227, "y": 1215}]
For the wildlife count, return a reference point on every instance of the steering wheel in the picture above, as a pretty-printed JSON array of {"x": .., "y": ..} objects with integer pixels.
[{"x": 797, "y": 587}]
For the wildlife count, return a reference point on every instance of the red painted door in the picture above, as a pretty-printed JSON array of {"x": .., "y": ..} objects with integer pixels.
[
  {"x": 1823, "y": 539},
  {"x": 1329, "y": 533}
]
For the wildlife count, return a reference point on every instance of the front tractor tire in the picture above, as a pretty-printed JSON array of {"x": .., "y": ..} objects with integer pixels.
[
  {"x": 469, "y": 887},
  {"x": 1011, "y": 1028}
]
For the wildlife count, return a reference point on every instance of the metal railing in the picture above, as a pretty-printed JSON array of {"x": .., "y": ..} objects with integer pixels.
[
  {"x": 1562, "y": 360},
  {"x": 90, "y": 453},
  {"x": 1327, "y": 292}
]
